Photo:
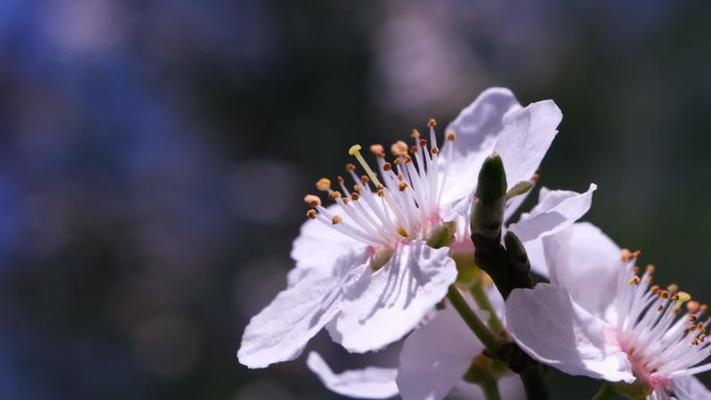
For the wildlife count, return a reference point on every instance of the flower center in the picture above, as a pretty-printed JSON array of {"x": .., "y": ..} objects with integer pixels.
[
  {"x": 660, "y": 341},
  {"x": 399, "y": 203}
]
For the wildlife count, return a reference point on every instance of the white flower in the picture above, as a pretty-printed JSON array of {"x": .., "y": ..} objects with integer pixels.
[
  {"x": 435, "y": 357},
  {"x": 363, "y": 268},
  {"x": 599, "y": 318},
  {"x": 433, "y": 360}
]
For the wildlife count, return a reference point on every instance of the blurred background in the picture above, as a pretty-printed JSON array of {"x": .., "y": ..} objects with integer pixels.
[{"x": 154, "y": 156}]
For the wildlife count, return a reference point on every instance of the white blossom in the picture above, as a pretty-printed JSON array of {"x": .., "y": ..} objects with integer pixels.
[
  {"x": 364, "y": 269},
  {"x": 599, "y": 318}
]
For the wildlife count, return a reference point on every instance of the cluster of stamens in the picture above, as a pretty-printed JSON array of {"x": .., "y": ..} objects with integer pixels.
[
  {"x": 659, "y": 341},
  {"x": 401, "y": 202}
]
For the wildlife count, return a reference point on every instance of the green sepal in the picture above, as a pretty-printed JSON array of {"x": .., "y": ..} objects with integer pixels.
[{"x": 519, "y": 189}]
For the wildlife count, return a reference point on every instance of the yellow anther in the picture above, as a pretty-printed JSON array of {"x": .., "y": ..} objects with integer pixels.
[
  {"x": 451, "y": 136},
  {"x": 334, "y": 195},
  {"x": 378, "y": 150},
  {"x": 650, "y": 269},
  {"x": 355, "y": 196},
  {"x": 673, "y": 288},
  {"x": 681, "y": 298},
  {"x": 387, "y": 167},
  {"x": 311, "y": 214},
  {"x": 350, "y": 167},
  {"x": 337, "y": 219},
  {"x": 693, "y": 306},
  {"x": 323, "y": 184},
  {"x": 355, "y": 152},
  {"x": 628, "y": 255},
  {"x": 402, "y": 186},
  {"x": 434, "y": 150},
  {"x": 634, "y": 280},
  {"x": 414, "y": 149},
  {"x": 423, "y": 143},
  {"x": 312, "y": 200},
  {"x": 431, "y": 123},
  {"x": 399, "y": 148},
  {"x": 664, "y": 294},
  {"x": 415, "y": 134},
  {"x": 402, "y": 231}
]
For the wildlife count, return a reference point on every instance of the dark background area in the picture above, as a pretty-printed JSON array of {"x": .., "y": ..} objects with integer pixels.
[{"x": 154, "y": 156}]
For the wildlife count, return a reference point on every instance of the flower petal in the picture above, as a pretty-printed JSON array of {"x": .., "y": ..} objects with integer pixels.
[
  {"x": 283, "y": 328},
  {"x": 556, "y": 210},
  {"x": 383, "y": 306},
  {"x": 318, "y": 245},
  {"x": 526, "y": 137},
  {"x": 549, "y": 326},
  {"x": 477, "y": 128},
  {"x": 367, "y": 383},
  {"x": 510, "y": 387},
  {"x": 689, "y": 388},
  {"x": 435, "y": 357},
  {"x": 481, "y": 121},
  {"x": 582, "y": 259}
]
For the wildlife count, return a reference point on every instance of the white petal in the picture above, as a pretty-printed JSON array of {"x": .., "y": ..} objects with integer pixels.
[
  {"x": 283, "y": 328},
  {"x": 510, "y": 388},
  {"x": 367, "y": 383},
  {"x": 537, "y": 258},
  {"x": 689, "y": 388},
  {"x": 477, "y": 128},
  {"x": 318, "y": 244},
  {"x": 383, "y": 306},
  {"x": 584, "y": 261},
  {"x": 556, "y": 211},
  {"x": 435, "y": 357},
  {"x": 480, "y": 122},
  {"x": 526, "y": 137},
  {"x": 550, "y": 327}
]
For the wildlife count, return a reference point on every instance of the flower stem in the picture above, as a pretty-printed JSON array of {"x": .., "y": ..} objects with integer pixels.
[
  {"x": 472, "y": 320},
  {"x": 482, "y": 300},
  {"x": 491, "y": 389},
  {"x": 606, "y": 392}
]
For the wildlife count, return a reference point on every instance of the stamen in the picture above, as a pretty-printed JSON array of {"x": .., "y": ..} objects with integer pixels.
[
  {"x": 323, "y": 184},
  {"x": 628, "y": 255},
  {"x": 415, "y": 134},
  {"x": 377, "y": 150},
  {"x": 399, "y": 148},
  {"x": 431, "y": 123},
  {"x": 355, "y": 152},
  {"x": 312, "y": 214},
  {"x": 337, "y": 219},
  {"x": 312, "y": 200},
  {"x": 681, "y": 298},
  {"x": 451, "y": 136}
]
